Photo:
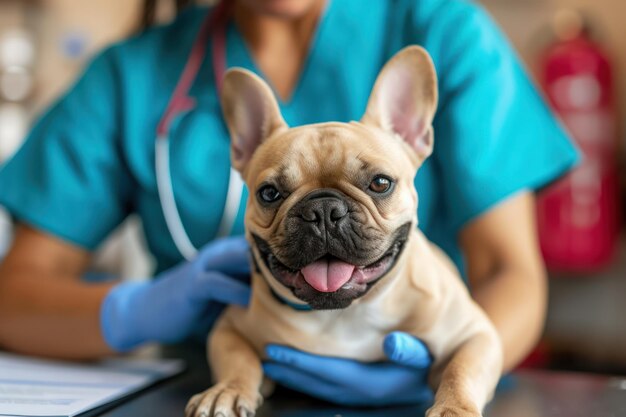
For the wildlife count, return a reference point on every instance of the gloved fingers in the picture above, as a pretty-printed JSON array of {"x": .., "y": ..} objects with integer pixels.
[
  {"x": 224, "y": 254},
  {"x": 235, "y": 261},
  {"x": 328, "y": 368},
  {"x": 355, "y": 382},
  {"x": 302, "y": 381},
  {"x": 376, "y": 390},
  {"x": 215, "y": 286},
  {"x": 121, "y": 329},
  {"x": 337, "y": 371},
  {"x": 404, "y": 349}
]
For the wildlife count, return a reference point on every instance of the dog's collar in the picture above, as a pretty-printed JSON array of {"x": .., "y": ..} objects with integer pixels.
[
  {"x": 283, "y": 300},
  {"x": 278, "y": 297}
]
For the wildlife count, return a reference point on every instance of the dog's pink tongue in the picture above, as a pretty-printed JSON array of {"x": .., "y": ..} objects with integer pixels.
[{"x": 327, "y": 276}]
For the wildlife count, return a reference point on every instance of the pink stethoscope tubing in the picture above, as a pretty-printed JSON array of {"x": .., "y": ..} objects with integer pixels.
[{"x": 213, "y": 28}]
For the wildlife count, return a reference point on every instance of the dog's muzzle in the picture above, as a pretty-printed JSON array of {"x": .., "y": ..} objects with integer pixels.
[{"x": 328, "y": 255}]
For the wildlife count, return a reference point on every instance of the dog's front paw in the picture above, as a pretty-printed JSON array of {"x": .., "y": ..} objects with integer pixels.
[
  {"x": 227, "y": 399},
  {"x": 452, "y": 411}
]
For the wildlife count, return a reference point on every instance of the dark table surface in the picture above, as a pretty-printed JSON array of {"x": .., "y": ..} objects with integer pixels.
[{"x": 524, "y": 394}]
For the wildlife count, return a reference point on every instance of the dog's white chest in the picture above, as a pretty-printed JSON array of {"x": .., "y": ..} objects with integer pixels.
[{"x": 356, "y": 332}]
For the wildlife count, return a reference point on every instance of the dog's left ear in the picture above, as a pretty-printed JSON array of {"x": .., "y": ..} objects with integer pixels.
[
  {"x": 251, "y": 113},
  {"x": 404, "y": 99}
]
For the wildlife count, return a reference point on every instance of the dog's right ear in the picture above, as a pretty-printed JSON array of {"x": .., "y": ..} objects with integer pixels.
[{"x": 251, "y": 113}]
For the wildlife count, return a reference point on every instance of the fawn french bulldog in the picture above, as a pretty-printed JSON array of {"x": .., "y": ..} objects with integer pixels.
[{"x": 331, "y": 220}]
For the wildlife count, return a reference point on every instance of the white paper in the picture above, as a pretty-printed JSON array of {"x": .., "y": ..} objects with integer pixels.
[{"x": 35, "y": 387}]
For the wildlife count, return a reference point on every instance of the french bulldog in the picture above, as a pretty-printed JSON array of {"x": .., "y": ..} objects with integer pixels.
[{"x": 338, "y": 260}]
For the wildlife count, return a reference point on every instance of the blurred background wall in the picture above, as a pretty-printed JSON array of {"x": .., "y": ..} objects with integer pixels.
[
  {"x": 67, "y": 32},
  {"x": 526, "y": 23},
  {"x": 58, "y": 23},
  {"x": 586, "y": 328}
]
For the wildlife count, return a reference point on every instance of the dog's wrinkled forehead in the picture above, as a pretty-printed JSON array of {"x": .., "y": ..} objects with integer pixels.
[{"x": 329, "y": 154}]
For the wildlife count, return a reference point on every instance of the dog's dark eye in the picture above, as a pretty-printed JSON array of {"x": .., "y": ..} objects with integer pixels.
[
  {"x": 380, "y": 184},
  {"x": 269, "y": 194}
]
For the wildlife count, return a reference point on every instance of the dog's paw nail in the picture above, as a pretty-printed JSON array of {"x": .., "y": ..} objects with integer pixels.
[{"x": 244, "y": 412}]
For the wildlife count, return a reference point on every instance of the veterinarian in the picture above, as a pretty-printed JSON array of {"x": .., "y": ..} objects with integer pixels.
[{"x": 90, "y": 162}]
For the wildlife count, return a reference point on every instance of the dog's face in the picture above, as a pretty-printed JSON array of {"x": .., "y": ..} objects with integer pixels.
[{"x": 331, "y": 205}]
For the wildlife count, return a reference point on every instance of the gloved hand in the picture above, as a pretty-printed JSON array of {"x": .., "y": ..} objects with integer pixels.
[
  {"x": 169, "y": 307},
  {"x": 402, "y": 380}
]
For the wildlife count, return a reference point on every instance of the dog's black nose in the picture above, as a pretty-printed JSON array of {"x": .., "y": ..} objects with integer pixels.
[
  {"x": 324, "y": 208},
  {"x": 328, "y": 209}
]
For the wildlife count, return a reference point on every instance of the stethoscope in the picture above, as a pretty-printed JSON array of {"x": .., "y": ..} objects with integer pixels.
[{"x": 213, "y": 28}]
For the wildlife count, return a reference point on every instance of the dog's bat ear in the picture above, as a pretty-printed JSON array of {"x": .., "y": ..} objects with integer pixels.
[
  {"x": 404, "y": 99},
  {"x": 251, "y": 113}
]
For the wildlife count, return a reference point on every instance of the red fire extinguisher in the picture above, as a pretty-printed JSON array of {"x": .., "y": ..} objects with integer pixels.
[{"x": 578, "y": 216}]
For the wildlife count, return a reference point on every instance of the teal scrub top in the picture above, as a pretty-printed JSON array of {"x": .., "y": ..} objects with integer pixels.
[{"x": 89, "y": 162}]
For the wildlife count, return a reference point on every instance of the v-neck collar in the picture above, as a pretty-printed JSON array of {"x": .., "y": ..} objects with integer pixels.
[{"x": 239, "y": 55}]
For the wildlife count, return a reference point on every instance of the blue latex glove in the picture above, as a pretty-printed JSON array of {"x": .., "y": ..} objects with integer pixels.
[
  {"x": 402, "y": 380},
  {"x": 168, "y": 308}
]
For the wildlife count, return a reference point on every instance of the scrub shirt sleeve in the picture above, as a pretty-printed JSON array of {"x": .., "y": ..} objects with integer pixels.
[
  {"x": 69, "y": 178},
  {"x": 494, "y": 134}
]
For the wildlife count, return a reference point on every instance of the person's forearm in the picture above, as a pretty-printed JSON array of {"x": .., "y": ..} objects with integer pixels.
[
  {"x": 515, "y": 301},
  {"x": 53, "y": 316}
]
